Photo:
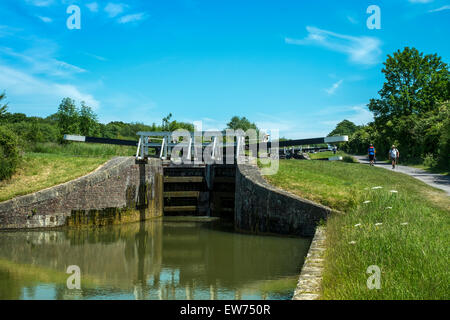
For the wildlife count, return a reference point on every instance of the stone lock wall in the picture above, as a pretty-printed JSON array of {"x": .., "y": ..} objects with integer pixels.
[
  {"x": 119, "y": 191},
  {"x": 262, "y": 208}
]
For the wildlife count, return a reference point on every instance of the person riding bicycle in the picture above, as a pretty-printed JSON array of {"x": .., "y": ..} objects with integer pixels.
[{"x": 371, "y": 153}]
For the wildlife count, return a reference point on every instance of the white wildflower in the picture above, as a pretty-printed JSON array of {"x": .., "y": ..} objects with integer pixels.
[
  {"x": 394, "y": 191},
  {"x": 352, "y": 242},
  {"x": 367, "y": 201},
  {"x": 404, "y": 223},
  {"x": 388, "y": 207},
  {"x": 379, "y": 187},
  {"x": 357, "y": 225},
  {"x": 378, "y": 224}
]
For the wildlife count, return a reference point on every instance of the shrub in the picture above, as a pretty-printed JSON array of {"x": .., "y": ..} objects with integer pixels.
[
  {"x": 9, "y": 153},
  {"x": 349, "y": 159},
  {"x": 429, "y": 160},
  {"x": 31, "y": 131},
  {"x": 444, "y": 143}
]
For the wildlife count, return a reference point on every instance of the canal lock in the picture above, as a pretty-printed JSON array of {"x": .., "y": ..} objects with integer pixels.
[{"x": 202, "y": 190}]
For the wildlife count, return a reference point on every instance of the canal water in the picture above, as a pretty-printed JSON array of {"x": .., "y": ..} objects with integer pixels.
[{"x": 166, "y": 258}]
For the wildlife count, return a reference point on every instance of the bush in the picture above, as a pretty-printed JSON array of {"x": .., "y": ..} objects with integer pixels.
[
  {"x": 349, "y": 159},
  {"x": 444, "y": 143},
  {"x": 430, "y": 160},
  {"x": 9, "y": 153},
  {"x": 31, "y": 131}
]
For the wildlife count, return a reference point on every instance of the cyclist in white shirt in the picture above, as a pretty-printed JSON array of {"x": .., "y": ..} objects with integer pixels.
[{"x": 393, "y": 156}]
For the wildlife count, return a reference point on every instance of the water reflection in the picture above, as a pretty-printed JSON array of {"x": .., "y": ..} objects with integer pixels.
[{"x": 157, "y": 259}]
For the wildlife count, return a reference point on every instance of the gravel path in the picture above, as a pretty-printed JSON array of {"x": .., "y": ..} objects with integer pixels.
[{"x": 433, "y": 179}]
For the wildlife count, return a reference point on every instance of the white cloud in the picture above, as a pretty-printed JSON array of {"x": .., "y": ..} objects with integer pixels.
[
  {"x": 93, "y": 7},
  {"x": 40, "y": 3},
  {"x": 299, "y": 125},
  {"x": 143, "y": 110},
  {"x": 352, "y": 20},
  {"x": 358, "y": 114},
  {"x": 447, "y": 7},
  {"x": 420, "y": 1},
  {"x": 361, "y": 50},
  {"x": 114, "y": 9},
  {"x": 334, "y": 87},
  {"x": 132, "y": 17},
  {"x": 296, "y": 124},
  {"x": 291, "y": 126},
  {"x": 27, "y": 89},
  {"x": 36, "y": 80},
  {"x": 361, "y": 115},
  {"x": 41, "y": 62},
  {"x": 208, "y": 124},
  {"x": 67, "y": 90},
  {"x": 100, "y": 58},
  {"x": 45, "y": 19},
  {"x": 6, "y": 31}
]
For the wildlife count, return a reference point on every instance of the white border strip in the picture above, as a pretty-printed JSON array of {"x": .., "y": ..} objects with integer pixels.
[{"x": 71, "y": 137}]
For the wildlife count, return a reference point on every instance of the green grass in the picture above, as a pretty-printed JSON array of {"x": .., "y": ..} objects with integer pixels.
[
  {"x": 82, "y": 149},
  {"x": 413, "y": 257},
  {"x": 39, "y": 171},
  {"x": 325, "y": 155},
  {"x": 429, "y": 169},
  {"x": 48, "y": 164}
]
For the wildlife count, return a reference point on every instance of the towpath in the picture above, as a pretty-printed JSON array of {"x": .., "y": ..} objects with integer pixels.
[{"x": 433, "y": 179}]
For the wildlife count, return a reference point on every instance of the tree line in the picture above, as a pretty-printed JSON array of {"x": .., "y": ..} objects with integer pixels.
[
  {"x": 19, "y": 132},
  {"x": 70, "y": 119},
  {"x": 412, "y": 111}
]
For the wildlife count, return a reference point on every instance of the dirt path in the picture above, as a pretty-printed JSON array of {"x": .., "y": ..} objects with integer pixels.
[{"x": 433, "y": 179}]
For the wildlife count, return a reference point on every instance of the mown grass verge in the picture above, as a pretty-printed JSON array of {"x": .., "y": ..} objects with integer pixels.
[
  {"x": 325, "y": 154},
  {"x": 38, "y": 171},
  {"x": 81, "y": 149},
  {"x": 429, "y": 169},
  {"x": 405, "y": 233},
  {"x": 47, "y": 164}
]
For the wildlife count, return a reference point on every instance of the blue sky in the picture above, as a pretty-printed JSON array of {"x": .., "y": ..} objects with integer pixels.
[{"x": 297, "y": 66}]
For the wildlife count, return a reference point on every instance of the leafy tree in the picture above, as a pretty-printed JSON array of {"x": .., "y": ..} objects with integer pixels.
[
  {"x": 34, "y": 134},
  {"x": 87, "y": 121},
  {"x": 4, "y": 108},
  {"x": 15, "y": 117},
  {"x": 411, "y": 111},
  {"x": 9, "y": 152},
  {"x": 344, "y": 128},
  {"x": 359, "y": 141},
  {"x": 174, "y": 125},
  {"x": 53, "y": 118},
  {"x": 414, "y": 84},
  {"x": 444, "y": 141},
  {"x": 241, "y": 123},
  {"x": 168, "y": 125},
  {"x": 67, "y": 117},
  {"x": 166, "y": 122}
]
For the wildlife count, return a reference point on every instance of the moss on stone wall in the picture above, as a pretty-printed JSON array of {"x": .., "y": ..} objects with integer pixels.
[{"x": 107, "y": 216}]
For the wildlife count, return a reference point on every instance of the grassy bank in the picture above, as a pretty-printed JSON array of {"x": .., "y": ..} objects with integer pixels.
[
  {"x": 325, "y": 155},
  {"x": 38, "y": 171},
  {"x": 81, "y": 149},
  {"x": 405, "y": 233},
  {"x": 44, "y": 165}
]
